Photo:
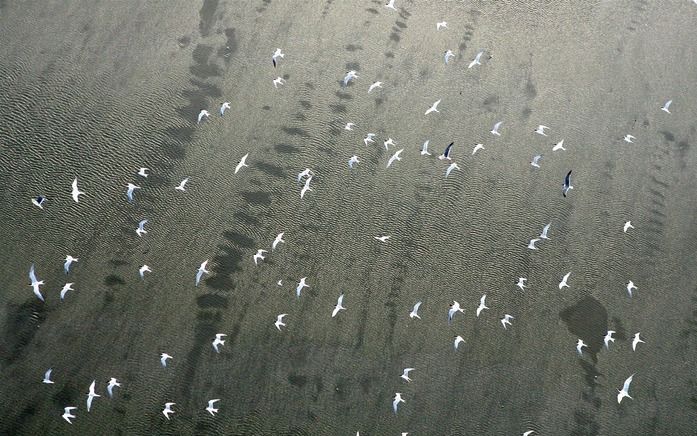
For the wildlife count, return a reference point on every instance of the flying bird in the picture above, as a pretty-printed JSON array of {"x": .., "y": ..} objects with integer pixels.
[
  {"x": 67, "y": 287},
  {"x": 279, "y": 239},
  {"x": 567, "y": 184},
  {"x": 76, "y": 192},
  {"x": 182, "y": 184},
  {"x": 531, "y": 244},
  {"x": 446, "y": 153},
  {"x": 373, "y": 86},
  {"x": 476, "y": 60},
  {"x": 306, "y": 187},
  {"x": 415, "y": 311},
  {"x": 67, "y": 415},
  {"x": 625, "y": 390},
  {"x": 259, "y": 255},
  {"x": 458, "y": 339},
  {"x": 110, "y": 387},
  {"x": 405, "y": 374},
  {"x": 350, "y": 75},
  {"x": 630, "y": 287},
  {"x": 38, "y": 201},
  {"x": 210, "y": 409},
  {"x": 434, "y": 107},
  {"x": 398, "y": 396},
  {"x": 140, "y": 231},
  {"x": 201, "y": 271},
  {"x": 666, "y": 107},
  {"x": 349, "y": 126},
  {"x": 300, "y": 286},
  {"x": 91, "y": 395},
  {"x": 541, "y": 130},
  {"x": 142, "y": 172},
  {"x": 35, "y": 283},
  {"x": 382, "y": 238},
  {"x": 559, "y": 146},
  {"x": 223, "y": 106},
  {"x": 521, "y": 283},
  {"x": 69, "y": 261},
  {"x": 369, "y": 138},
  {"x": 451, "y": 167},
  {"x": 203, "y": 113},
  {"x": 441, "y": 25},
  {"x": 338, "y": 306},
  {"x": 279, "y": 321},
  {"x": 536, "y": 161},
  {"x": 579, "y": 346},
  {"x": 390, "y": 5},
  {"x": 168, "y": 409},
  {"x": 353, "y": 161},
  {"x": 218, "y": 341},
  {"x": 304, "y": 173},
  {"x": 563, "y": 283},
  {"x": 243, "y": 163},
  {"x": 448, "y": 54},
  {"x": 482, "y": 305},
  {"x": 389, "y": 142},
  {"x": 130, "y": 188},
  {"x": 506, "y": 320},
  {"x": 608, "y": 338},
  {"x": 454, "y": 308},
  {"x": 163, "y": 359},
  {"x": 477, "y": 147},
  {"x": 47, "y": 376},
  {"x": 278, "y": 81},
  {"x": 629, "y": 138},
  {"x": 143, "y": 269},
  {"x": 495, "y": 130},
  {"x": 637, "y": 340},
  {"x": 395, "y": 157},
  {"x": 628, "y": 225},
  {"x": 545, "y": 230},
  {"x": 424, "y": 149},
  {"x": 277, "y": 55}
]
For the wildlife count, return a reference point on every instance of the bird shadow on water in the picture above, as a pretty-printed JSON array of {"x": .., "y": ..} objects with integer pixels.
[
  {"x": 587, "y": 319},
  {"x": 21, "y": 325}
]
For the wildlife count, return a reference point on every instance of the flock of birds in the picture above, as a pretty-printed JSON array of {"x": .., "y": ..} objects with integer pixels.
[{"x": 307, "y": 175}]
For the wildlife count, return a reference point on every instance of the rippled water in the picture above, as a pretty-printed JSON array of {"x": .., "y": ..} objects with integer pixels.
[{"x": 96, "y": 91}]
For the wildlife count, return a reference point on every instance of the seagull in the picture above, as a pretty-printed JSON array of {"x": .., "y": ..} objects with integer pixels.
[
  {"x": 38, "y": 201},
  {"x": 353, "y": 161},
  {"x": 395, "y": 157},
  {"x": 536, "y": 161},
  {"x": 35, "y": 283},
  {"x": 398, "y": 396},
  {"x": 448, "y": 54},
  {"x": 382, "y": 238},
  {"x": 579, "y": 346},
  {"x": 637, "y": 340},
  {"x": 531, "y": 244},
  {"x": 476, "y": 60},
  {"x": 168, "y": 409},
  {"x": 91, "y": 395},
  {"x": 304, "y": 173},
  {"x": 306, "y": 187},
  {"x": 182, "y": 184},
  {"x": 545, "y": 230},
  {"x": 278, "y": 81},
  {"x": 541, "y": 130},
  {"x": 76, "y": 192},
  {"x": 482, "y": 305},
  {"x": 142, "y": 172},
  {"x": 243, "y": 163},
  {"x": 628, "y": 225},
  {"x": 350, "y": 75},
  {"x": 454, "y": 308},
  {"x": 521, "y": 283},
  {"x": 389, "y": 142},
  {"x": 666, "y": 107},
  {"x": 110, "y": 387},
  {"x": 276, "y": 57},
  {"x": 223, "y": 107},
  {"x": 506, "y": 320},
  {"x": 405, "y": 374},
  {"x": 143, "y": 269},
  {"x": 67, "y": 287},
  {"x": 278, "y": 240},
  {"x": 300, "y": 286},
  {"x": 163, "y": 359},
  {"x": 68, "y": 261},
  {"x": 441, "y": 25},
  {"x": 203, "y": 113},
  {"x": 629, "y": 138},
  {"x": 279, "y": 321},
  {"x": 528, "y": 433},
  {"x": 279, "y": 283},
  {"x": 259, "y": 255},
  {"x": 129, "y": 191},
  {"x": 218, "y": 341},
  {"x": 47, "y": 377},
  {"x": 338, "y": 306},
  {"x": 415, "y": 311},
  {"x": 630, "y": 286},
  {"x": 424, "y": 149},
  {"x": 368, "y": 138},
  {"x": 374, "y": 85},
  {"x": 625, "y": 390},
  {"x": 608, "y": 338},
  {"x": 495, "y": 130},
  {"x": 349, "y": 126},
  {"x": 458, "y": 339},
  {"x": 434, "y": 107},
  {"x": 140, "y": 231},
  {"x": 390, "y": 5},
  {"x": 201, "y": 270},
  {"x": 477, "y": 147},
  {"x": 210, "y": 409},
  {"x": 451, "y": 167},
  {"x": 446, "y": 153},
  {"x": 559, "y": 146},
  {"x": 67, "y": 415},
  {"x": 567, "y": 184},
  {"x": 563, "y": 283}
]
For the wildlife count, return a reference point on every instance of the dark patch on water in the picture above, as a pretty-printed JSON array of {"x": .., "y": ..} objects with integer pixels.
[
  {"x": 297, "y": 380},
  {"x": 19, "y": 422},
  {"x": 372, "y": 11},
  {"x": 286, "y": 148},
  {"x": 295, "y": 131},
  {"x": 667, "y": 135},
  {"x": 207, "y": 17},
  {"x": 587, "y": 320},
  {"x": 257, "y": 197},
  {"x": 21, "y": 325},
  {"x": 353, "y": 47},
  {"x": 212, "y": 301},
  {"x": 113, "y": 280},
  {"x": 184, "y": 41}
]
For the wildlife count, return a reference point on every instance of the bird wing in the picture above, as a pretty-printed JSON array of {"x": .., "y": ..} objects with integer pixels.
[
  {"x": 497, "y": 125},
  {"x": 32, "y": 275},
  {"x": 340, "y": 301},
  {"x": 446, "y": 153},
  {"x": 567, "y": 179},
  {"x": 627, "y": 382},
  {"x": 416, "y": 306},
  {"x": 47, "y": 374}
]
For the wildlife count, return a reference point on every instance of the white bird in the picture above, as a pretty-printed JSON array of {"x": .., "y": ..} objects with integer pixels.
[
  {"x": 338, "y": 306},
  {"x": 369, "y": 138},
  {"x": 203, "y": 113},
  {"x": 353, "y": 161},
  {"x": 35, "y": 283},
  {"x": 182, "y": 184},
  {"x": 579, "y": 346},
  {"x": 625, "y": 390},
  {"x": 629, "y": 138},
  {"x": 536, "y": 161},
  {"x": 389, "y": 142},
  {"x": 38, "y": 201},
  {"x": 91, "y": 395},
  {"x": 521, "y": 283},
  {"x": 382, "y": 238},
  {"x": 545, "y": 230},
  {"x": 349, "y": 126},
  {"x": 415, "y": 311},
  {"x": 477, "y": 147},
  {"x": 424, "y": 149},
  {"x": 451, "y": 167},
  {"x": 218, "y": 341},
  {"x": 531, "y": 244},
  {"x": 608, "y": 338},
  {"x": 495, "y": 130},
  {"x": 506, "y": 320},
  {"x": 47, "y": 376},
  {"x": 279, "y": 321},
  {"x": 279, "y": 283},
  {"x": 130, "y": 188},
  {"x": 69, "y": 261},
  {"x": 76, "y": 192},
  {"x": 541, "y": 130},
  {"x": 140, "y": 231},
  {"x": 448, "y": 54},
  {"x": 304, "y": 173},
  {"x": 476, "y": 60},
  {"x": 223, "y": 106},
  {"x": 243, "y": 163},
  {"x": 433, "y": 108},
  {"x": 441, "y": 25},
  {"x": 447, "y": 152},
  {"x": 397, "y": 396},
  {"x": 405, "y": 374},
  {"x": 482, "y": 305},
  {"x": 142, "y": 172},
  {"x": 528, "y": 433},
  {"x": 637, "y": 340},
  {"x": 201, "y": 271},
  {"x": 168, "y": 409},
  {"x": 454, "y": 308},
  {"x": 278, "y": 81},
  {"x": 390, "y": 5},
  {"x": 210, "y": 409},
  {"x": 301, "y": 285},
  {"x": 67, "y": 415},
  {"x": 628, "y": 225},
  {"x": 110, "y": 387},
  {"x": 277, "y": 55},
  {"x": 350, "y": 75},
  {"x": 630, "y": 287},
  {"x": 563, "y": 283},
  {"x": 143, "y": 269},
  {"x": 374, "y": 85},
  {"x": 306, "y": 187},
  {"x": 259, "y": 255},
  {"x": 559, "y": 146},
  {"x": 163, "y": 359},
  {"x": 278, "y": 240},
  {"x": 67, "y": 287},
  {"x": 566, "y": 187},
  {"x": 458, "y": 339},
  {"x": 666, "y": 107},
  {"x": 395, "y": 157}
]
